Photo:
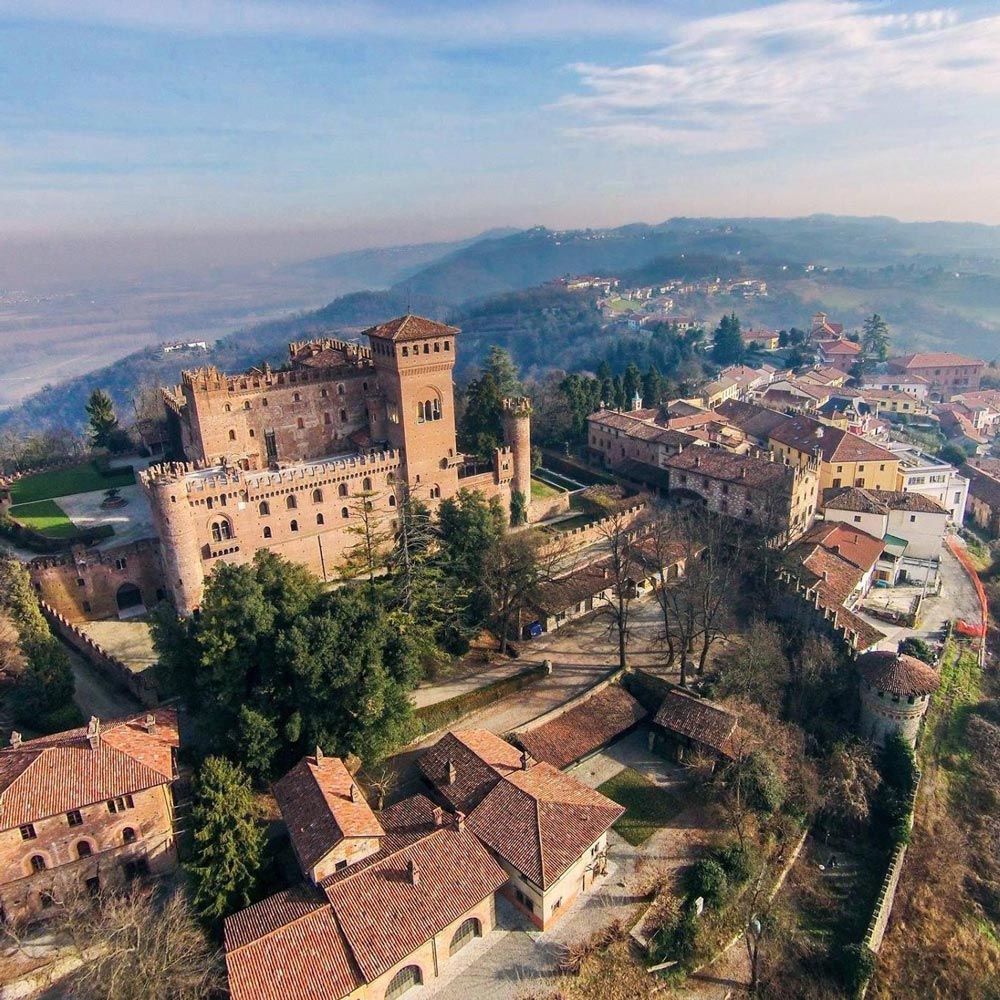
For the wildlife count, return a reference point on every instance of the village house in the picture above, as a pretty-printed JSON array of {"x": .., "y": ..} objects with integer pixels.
[
  {"x": 547, "y": 830},
  {"x": 753, "y": 419},
  {"x": 983, "y": 409},
  {"x": 895, "y": 402},
  {"x": 913, "y": 385},
  {"x": 983, "y": 506},
  {"x": 86, "y": 809},
  {"x": 761, "y": 338},
  {"x": 947, "y": 374},
  {"x": 839, "y": 354},
  {"x": 823, "y": 329},
  {"x": 931, "y": 477},
  {"x": 956, "y": 422},
  {"x": 845, "y": 459}
]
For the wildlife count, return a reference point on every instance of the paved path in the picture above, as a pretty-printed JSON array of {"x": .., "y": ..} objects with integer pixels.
[{"x": 96, "y": 696}]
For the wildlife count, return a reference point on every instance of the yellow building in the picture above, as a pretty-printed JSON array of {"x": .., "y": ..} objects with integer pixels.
[{"x": 845, "y": 459}]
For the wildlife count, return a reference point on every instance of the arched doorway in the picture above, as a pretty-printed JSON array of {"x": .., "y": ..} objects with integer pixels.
[
  {"x": 468, "y": 929},
  {"x": 129, "y": 598},
  {"x": 403, "y": 982}
]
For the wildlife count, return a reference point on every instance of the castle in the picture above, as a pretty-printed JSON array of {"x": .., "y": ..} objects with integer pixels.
[{"x": 291, "y": 460}]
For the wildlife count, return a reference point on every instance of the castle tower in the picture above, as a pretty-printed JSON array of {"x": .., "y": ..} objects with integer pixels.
[
  {"x": 895, "y": 692},
  {"x": 174, "y": 524},
  {"x": 517, "y": 436},
  {"x": 414, "y": 360}
]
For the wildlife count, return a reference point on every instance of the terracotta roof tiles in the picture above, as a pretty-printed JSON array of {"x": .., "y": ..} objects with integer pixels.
[
  {"x": 898, "y": 673},
  {"x": 699, "y": 720},
  {"x": 410, "y": 327}
]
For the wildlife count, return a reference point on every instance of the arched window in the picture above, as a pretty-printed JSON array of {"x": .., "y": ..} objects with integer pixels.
[
  {"x": 366, "y": 484},
  {"x": 222, "y": 500},
  {"x": 38, "y": 863},
  {"x": 344, "y": 512},
  {"x": 406, "y": 352},
  {"x": 420, "y": 413},
  {"x": 447, "y": 345},
  {"x": 392, "y": 500},
  {"x": 427, "y": 348},
  {"x": 291, "y": 502},
  {"x": 232, "y": 435},
  {"x": 264, "y": 508},
  {"x": 246, "y": 405},
  {"x": 342, "y": 490},
  {"x": 296, "y": 398},
  {"x": 467, "y": 930},
  {"x": 222, "y": 530},
  {"x": 252, "y": 433},
  {"x": 228, "y": 408},
  {"x": 294, "y": 526},
  {"x": 327, "y": 419},
  {"x": 319, "y": 519},
  {"x": 267, "y": 532},
  {"x": 436, "y": 492},
  {"x": 343, "y": 416},
  {"x": 324, "y": 392},
  {"x": 340, "y": 389},
  {"x": 317, "y": 496},
  {"x": 428, "y": 410},
  {"x": 406, "y": 978},
  {"x": 83, "y": 849},
  {"x": 300, "y": 423},
  {"x": 437, "y": 409},
  {"x": 364, "y": 386},
  {"x": 128, "y": 835}
]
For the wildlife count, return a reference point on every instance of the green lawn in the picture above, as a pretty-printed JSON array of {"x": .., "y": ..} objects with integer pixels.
[
  {"x": 542, "y": 491},
  {"x": 648, "y": 808},
  {"x": 83, "y": 478},
  {"x": 46, "y": 517}
]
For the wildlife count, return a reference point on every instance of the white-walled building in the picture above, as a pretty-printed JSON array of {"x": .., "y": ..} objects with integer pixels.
[{"x": 930, "y": 477}]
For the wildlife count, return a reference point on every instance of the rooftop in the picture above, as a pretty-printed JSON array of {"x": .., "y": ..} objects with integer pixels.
[
  {"x": 749, "y": 470},
  {"x": 853, "y": 498},
  {"x": 897, "y": 673},
  {"x": 410, "y": 327},
  {"x": 835, "y": 445},
  {"x": 699, "y": 720},
  {"x": 943, "y": 359}
]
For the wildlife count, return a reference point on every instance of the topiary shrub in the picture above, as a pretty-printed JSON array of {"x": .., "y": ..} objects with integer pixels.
[{"x": 707, "y": 878}]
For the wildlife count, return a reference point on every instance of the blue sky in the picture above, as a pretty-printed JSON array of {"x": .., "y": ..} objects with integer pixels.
[{"x": 413, "y": 120}]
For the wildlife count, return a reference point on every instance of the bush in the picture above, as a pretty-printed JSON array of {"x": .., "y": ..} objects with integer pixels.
[
  {"x": 857, "y": 966},
  {"x": 707, "y": 878},
  {"x": 736, "y": 862},
  {"x": 914, "y": 646}
]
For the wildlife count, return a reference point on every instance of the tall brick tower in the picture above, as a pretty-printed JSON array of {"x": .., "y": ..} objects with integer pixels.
[
  {"x": 174, "y": 522},
  {"x": 517, "y": 435},
  {"x": 414, "y": 359}
]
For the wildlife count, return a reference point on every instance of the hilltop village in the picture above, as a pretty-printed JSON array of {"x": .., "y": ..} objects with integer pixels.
[{"x": 421, "y": 702}]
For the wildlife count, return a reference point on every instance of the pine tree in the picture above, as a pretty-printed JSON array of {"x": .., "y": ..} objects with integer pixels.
[
  {"x": 102, "y": 424},
  {"x": 875, "y": 338},
  {"x": 228, "y": 841},
  {"x": 727, "y": 346}
]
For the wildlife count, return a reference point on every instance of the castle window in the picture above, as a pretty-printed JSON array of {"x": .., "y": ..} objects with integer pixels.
[
  {"x": 232, "y": 435},
  {"x": 437, "y": 409},
  {"x": 74, "y": 817},
  {"x": 317, "y": 496},
  {"x": 294, "y": 526},
  {"x": 291, "y": 502},
  {"x": 209, "y": 503},
  {"x": 366, "y": 484},
  {"x": 128, "y": 835},
  {"x": 222, "y": 530},
  {"x": 344, "y": 512},
  {"x": 327, "y": 419},
  {"x": 86, "y": 607},
  {"x": 28, "y": 831},
  {"x": 342, "y": 490},
  {"x": 420, "y": 413},
  {"x": 263, "y": 401},
  {"x": 228, "y": 408},
  {"x": 437, "y": 347},
  {"x": 324, "y": 392},
  {"x": 300, "y": 423},
  {"x": 37, "y": 863},
  {"x": 392, "y": 500},
  {"x": 343, "y": 416},
  {"x": 264, "y": 508},
  {"x": 252, "y": 434},
  {"x": 222, "y": 500},
  {"x": 296, "y": 397},
  {"x": 364, "y": 386},
  {"x": 246, "y": 405},
  {"x": 447, "y": 345},
  {"x": 80, "y": 582},
  {"x": 406, "y": 352},
  {"x": 340, "y": 389},
  {"x": 83, "y": 849},
  {"x": 319, "y": 519},
  {"x": 435, "y": 492},
  {"x": 267, "y": 532},
  {"x": 427, "y": 348}
]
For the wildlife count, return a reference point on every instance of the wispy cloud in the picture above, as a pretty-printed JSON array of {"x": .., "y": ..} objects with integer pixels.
[{"x": 741, "y": 80}]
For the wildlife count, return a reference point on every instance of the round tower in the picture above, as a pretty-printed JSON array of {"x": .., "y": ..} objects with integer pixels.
[
  {"x": 178, "y": 536},
  {"x": 895, "y": 692},
  {"x": 517, "y": 436}
]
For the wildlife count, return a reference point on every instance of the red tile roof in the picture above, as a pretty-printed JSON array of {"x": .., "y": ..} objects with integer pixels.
[
  {"x": 57, "y": 773},
  {"x": 480, "y": 759},
  {"x": 716, "y": 463},
  {"x": 852, "y": 544},
  {"x": 807, "y": 435},
  {"x": 541, "y": 821},
  {"x": 315, "y": 799},
  {"x": 385, "y": 917},
  {"x": 410, "y": 328},
  {"x": 699, "y": 720},
  {"x": 897, "y": 673},
  {"x": 932, "y": 359},
  {"x": 583, "y": 729}
]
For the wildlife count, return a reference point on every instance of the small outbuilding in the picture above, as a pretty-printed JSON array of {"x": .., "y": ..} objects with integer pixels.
[{"x": 693, "y": 724}]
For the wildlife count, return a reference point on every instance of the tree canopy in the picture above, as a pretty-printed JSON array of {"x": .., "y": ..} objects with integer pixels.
[
  {"x": 102, "y": 424},
  {"x": 727, "y": 342}
]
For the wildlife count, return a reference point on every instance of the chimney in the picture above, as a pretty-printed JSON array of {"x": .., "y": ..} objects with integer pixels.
[
  {"x": 697, "y": 461},
  {"x": 460, "y": 821},
  {"x": 94, "y": 732},
  {"x": 150, "y": 724},
  {"x": 319, "y": 755},
  {"x": 452, "y": 773},
  {"x": 825, "y": 575},
  {"x": 524, "y": 760},
  {"x": 438, "y": 813},
  {"x": 15, "y": 739},
  {"x": 354, "y": 792},
  {"x": 835, "y": 550},
  {"x": 743, "y": 472},
  {"x": 414, "y": 873}
]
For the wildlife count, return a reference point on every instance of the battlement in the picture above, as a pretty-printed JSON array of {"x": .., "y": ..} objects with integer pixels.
[
  {"x": 517, "y": 406},
  {"x": 320, "y": 344}
]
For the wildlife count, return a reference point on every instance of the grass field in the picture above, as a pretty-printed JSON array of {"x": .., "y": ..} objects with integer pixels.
[
  {"x": 648, "y": 808},
  {"x": 46, "y": 517},
  {"x": 542, "y": 491},
  {"x": 83, "y": 478}
]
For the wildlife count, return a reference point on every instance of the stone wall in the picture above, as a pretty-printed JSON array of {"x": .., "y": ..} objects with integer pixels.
[
  {"x": 140, "y": 685},
  {"x": 542, "y": 510}
]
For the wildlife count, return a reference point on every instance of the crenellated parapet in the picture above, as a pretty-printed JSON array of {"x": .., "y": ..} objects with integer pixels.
[{"x": 516, "y": 406}]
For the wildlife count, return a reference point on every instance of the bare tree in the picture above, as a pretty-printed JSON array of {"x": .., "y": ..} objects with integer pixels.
[{"x": 624, "y": 571}]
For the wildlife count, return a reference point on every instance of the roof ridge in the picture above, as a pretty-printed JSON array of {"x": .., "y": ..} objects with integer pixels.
[
  {"x": 322, "y": 904},
  {"x": 348, "y": 874},
  {"x": 541, "y": 850}
]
